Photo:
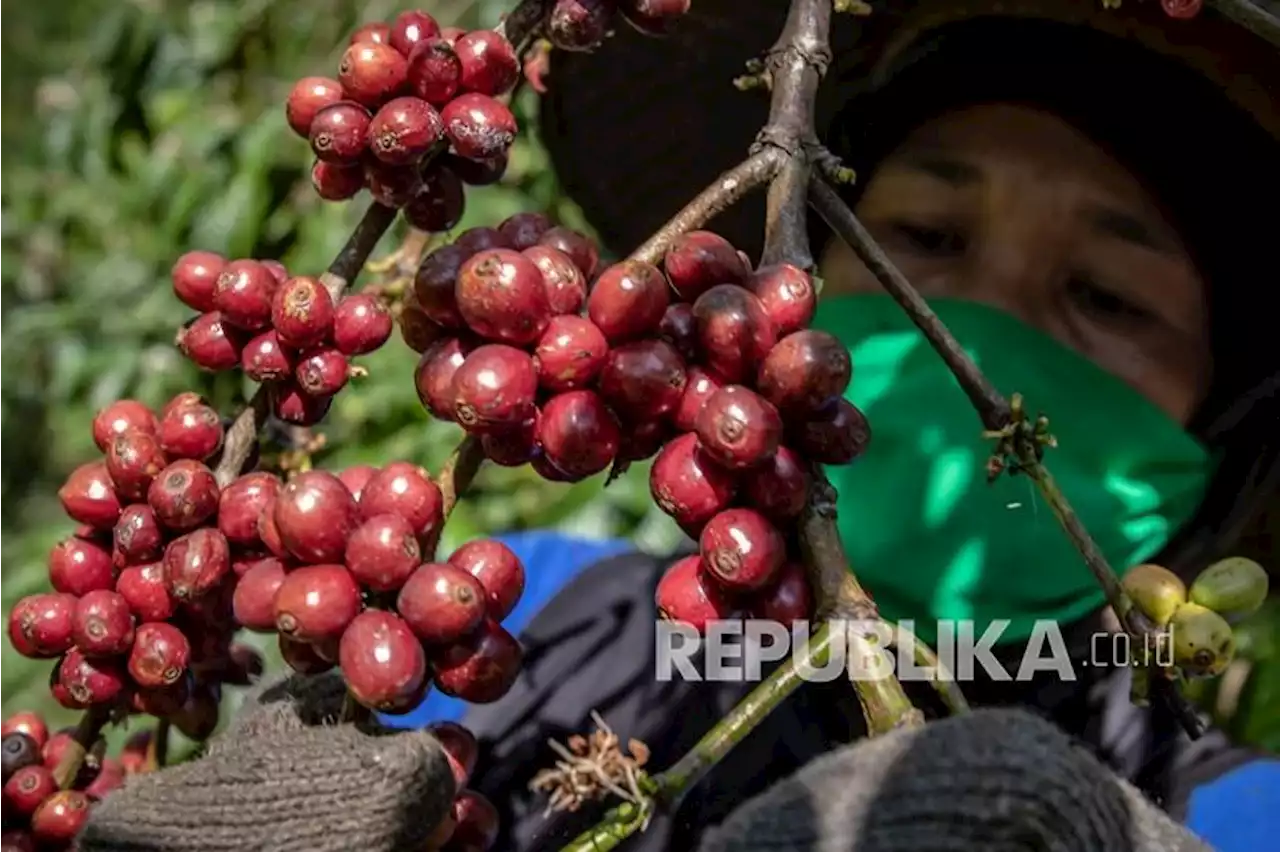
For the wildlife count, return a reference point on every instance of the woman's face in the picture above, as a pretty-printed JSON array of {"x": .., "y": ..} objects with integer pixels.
[{"x": 1014, "y": 208}]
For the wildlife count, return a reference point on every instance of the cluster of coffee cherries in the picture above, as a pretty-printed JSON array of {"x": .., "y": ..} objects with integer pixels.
[
  {"x": 37, "y": 814},
  {"x": 281, "y": 330},
  {"x": 139, "y": 616},
  {"x": 412, "y": 116},
  {"x": 348, "y": 580},
  {"x": 472, "y": 826},
  {"x": 583, "y": 24},
  {"x": 704, "y": 363}
]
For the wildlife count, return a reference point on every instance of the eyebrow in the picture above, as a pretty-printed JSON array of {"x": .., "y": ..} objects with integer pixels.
[{"x": 1107, "y": 220}]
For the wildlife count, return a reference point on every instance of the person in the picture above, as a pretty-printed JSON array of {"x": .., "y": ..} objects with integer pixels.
[{"x": 1083, "y": 196}]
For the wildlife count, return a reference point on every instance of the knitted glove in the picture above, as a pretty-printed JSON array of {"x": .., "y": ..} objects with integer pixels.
[
  {"x": 283, "y": 777},
  {"x": 989, "y": 781}
]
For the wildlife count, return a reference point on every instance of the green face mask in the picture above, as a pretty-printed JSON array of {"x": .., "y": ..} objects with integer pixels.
[{"x": 925, "y": 532}]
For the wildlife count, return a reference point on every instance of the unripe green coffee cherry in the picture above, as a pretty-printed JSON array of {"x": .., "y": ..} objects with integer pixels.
[
  {"x": 1233, "y": 587},
  {"x": 1203, "y": 642},
  {"x": 1155, "y": 590}
]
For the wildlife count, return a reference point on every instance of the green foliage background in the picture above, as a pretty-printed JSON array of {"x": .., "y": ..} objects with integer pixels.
[{"x": 134, "y": 130}]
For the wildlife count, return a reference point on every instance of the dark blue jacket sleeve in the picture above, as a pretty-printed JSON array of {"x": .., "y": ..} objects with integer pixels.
[{"x": 551, "y": 560}]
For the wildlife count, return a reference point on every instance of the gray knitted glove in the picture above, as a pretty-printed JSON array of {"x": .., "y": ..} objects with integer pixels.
[
  {"x": 991, "y": 781},
  {"x": 284, "y": 777}
]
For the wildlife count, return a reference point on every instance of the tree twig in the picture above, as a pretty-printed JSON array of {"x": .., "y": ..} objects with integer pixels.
[
  {"x": 351, "y": 259},
  {"x": 237, "y": 444},
  {"x": 523, "y": 21},
  {"x": 158, "y": 748},
  {"x": 86, "y": 734},
  {"x": 455, "y": 478}
]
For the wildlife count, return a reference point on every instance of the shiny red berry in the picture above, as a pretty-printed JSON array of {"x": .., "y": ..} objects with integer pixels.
[
  {"x": 476, "y": 822},
  {"x": 1181, "y": 10},
  {"x": 513, "y": 447},
  {"x": 303, "y": 657},
  {"x": 686, "y": 594},
  {"x": 643, "y": 380},
  {"x": 837, "y": 434},
  {"x": 700, "y": 260},
  {"x": 254, "y": 599},
  {"x": 742, "y": 549},
  {"x": 565, "y": 285},
  {"x": 687, "y": 485},
  {"x": 357, "y": 477},
  {"x": 372, "y": 73},
  {"x": 314, "y": 514},
  {"x": 242, "y": 502},
  {"x": 580, "y": 249},
  {"x": 441, "y": 603},
  {"x": 195, "y": 277},
  {"x": 316, "y": 602},
  {"x": 477, "y": 172},
  {"x": 435, "y": 284},
  {"x": 805, "y": 371},
  {"x": 291, "y": 404},
  {"x": 102, "y": 624},
  {"x": 184, "y": 495},
  {"x": 403, "y": 130},
  {"x": 26, "y": 789},
  {"x": 266, "y": 359},
  {"x": 78, "y": 565},
  {"x": 144, "y": 587},
  {"x": 133, "y": 461},
  {"x": 579, "y": 25},
  {"x": 404, "y": 489},
  {"x": 489, "y": 64},
  {"x": 779, "y": 486},
  {"x": 679, "y": 328},
  {"x": 210, "y": 343},
  {"x": 382, "y": 662},
  {"x": 340, "y": 132},
  {"x": 88, "y": 681},
  {"x": 699, "y": 387},
  {"x": 523, "y": 230},
  {"x": 434, "y": 71},
  {"x": 578, "y": 433},
  {"x": 307, "y": 97},
  {"x": 734, "y": 331},
  {"x": 501, "y": 296},
  {"x": 382, "y": 552},
  {"x": 243, "y": 294},
  {"x": 322, "y": 372},
  {"x": 787, "y": 294},
  {"x": 439, "y": 202},
  {"x": 738, "y": 428},
  {"x": 497, "y": 568},
  {"x": 89, "y": 497},
  {"x": 460, "y": 747},
  {"x": 137, "y": 538},
  {"x": 643, "y": 440},
  {"x": 374, "y": 32},
  {"x": 481, "y": 238},
  {"x": 361, "y": 324},
  {"x": 337, "y": 181},
  {"x": 433, "y": 377},
  {"x": 196, "y": 563},
  {"x": 653, "y": 17},
  {"x": 417, "y": 330},
  {"x": 481, "y": 668},
  {"x": 159, "y": 656},
  {"x": 788, "y": 600},
  {"x": 302, "y": 312},
  {"x": 125, "y": 415},
  {"x": 479, "y": 127},
  {"x": 410, "y": 29},
  {"x": 570, "y": 354},
  {"x": 60, "y": 817},
  {"x": 494, "y": 389},
  {"x": 191, "y": 432},
  {"x": 40, "y": 625},
  {"x": 628, "y": 300}
]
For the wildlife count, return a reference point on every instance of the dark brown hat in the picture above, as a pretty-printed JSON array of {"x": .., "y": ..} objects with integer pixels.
[{"x": 638, "y": 127}]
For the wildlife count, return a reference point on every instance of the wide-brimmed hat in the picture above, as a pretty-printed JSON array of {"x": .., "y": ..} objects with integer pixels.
[{"x": 637, "y": 128}]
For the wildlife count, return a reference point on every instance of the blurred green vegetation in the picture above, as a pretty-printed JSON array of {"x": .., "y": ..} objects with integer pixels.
[{"x": 135, "y": 130}]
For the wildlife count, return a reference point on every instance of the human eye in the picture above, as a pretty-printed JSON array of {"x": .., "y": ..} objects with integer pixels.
[
  {"x": 929, "y": 240},
  {"x": 1105, "y": 304}
]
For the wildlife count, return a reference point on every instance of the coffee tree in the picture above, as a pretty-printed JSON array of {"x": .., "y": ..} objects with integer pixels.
[{"x": 193, "y": 525}]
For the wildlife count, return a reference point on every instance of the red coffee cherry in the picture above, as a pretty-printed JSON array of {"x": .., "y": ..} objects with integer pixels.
[
  {"x": 441, "y": 603},
  {"x": 787, "y": 294},
  {"x": 254, "y": 599},
  {"x": 403, "y": 130},
  {"x": 565, "y": 284},
  {"x": 322, "y": 372},
  {"x": 699, "y": 387},
  {"x": 579, "y": 24},
  {"x": 788, "y": 600},
  {"x": 372, "y": 73},
  {"x": 40, "y": 626},
  {"x": 685, "y": 594},
  {"x": 336, "y": 181},
  {"x": 291, "y": 404},
  {"x": 146, "y": 591},
  {"x": 196, "y": 563},
  {"x": 523, "y": 230},
  {"x": 779, "y": 486},
  {"x": 501, "y": 295},
  {"x": 1181, "y": 10},
  {"x": 734, "y": 332},
  {"x": 122, "y": 416},
  {"x": 544, "y": 468},
  {"x": 277, "y": 270},
  {"x": 241, "y": 504},
  {"x": 83, "y": 682},
  {"x": 499, "y": 571},
  {"x": 315, "y": 603},
  {"x": 138, "y": 538},
  {"x": 578, "y": 433},
  {"x": 26, "y": 789},
  {"x": 481, "y": 238},
  {"x": 357, "y": 477},
  {"x": 700, "y": 260},
  {"x": 742, "y": 550},
  {"x": 382, "y": 553},
  {"x": 60, "y": 817},
  {"x": 433, "y": 377},
  {"x": 195, "y": 277},
  {"x": 374, "y": 32},
  {"x": 308, "y": 96},
  {"x": 382, "y": 662},
  {"x": 439, "y": 202},
  {"x": 653, "y": 17},
  {"x": 494, "y": 389},
  {"x": 29, "y": 723},
  {"x": 435, "y": 284},
  {"x": 481, "y": 668},
  {"x": 738, "y": 428},
  {"x": 434, "y": 71},
  {"x": 643, "y": 380},
  {"x": 302, "y": 657},
  {"x": 489, "y": 64},
  {"x": 314, "y": 514},
  {"x": 133, "y": 460},
  {"x": 477, "y": 821},
  {"x": 643, "y": 440},
  {"x": 514, "y": 447},
  {"x": 628, "y": 300},
  {"x": 580, "y": 249},
  {"x": 460, "y": 747},
  {"x": 191, "y": 432},
  {"x": 210, "y": 344},
  {"x": 570, "y": 354},
  {"x": 78, "y": 565},
  {"x": 159, "y": 656},
  {"x": 484, "y": 172},
  {"x": 416, "y": 328},
  {"x": 340, "y": 132},
  {"x": 687, "y": 484},
  {"x": 410, "y": 29},
  {"x": 184, "y": 495},
  {"x": 101, "y": 624},
  {"x": 406, "y": 490},
  {"x": 805, "y": 371},
  {"x": 680, "y": 329},
  {"x": 89, "y": 497},
  {"x": 835, "y": 435},
  {"x": 302, "y": 312},
  {"x": 479, "y": 127},
  {"x": 243, "y": 295}
]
